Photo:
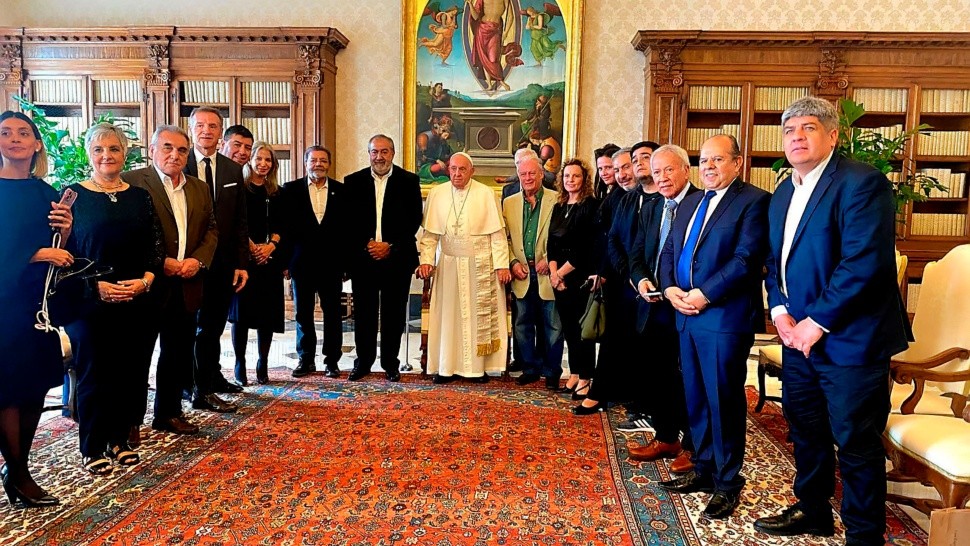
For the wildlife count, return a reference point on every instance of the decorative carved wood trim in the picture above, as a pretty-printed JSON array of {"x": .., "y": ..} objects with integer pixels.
[
  {"x": 330, "y": 37},
  {"x": 157, "y": 74},
  {"x": 832, "y": 79},
  {"x": 646, "y": 39},
  {"x": 11, "y": 71},
  {"x": 98, "y": 35},
  {"x": 665, "y": 68},
  {"x": 311, "y": 75}
]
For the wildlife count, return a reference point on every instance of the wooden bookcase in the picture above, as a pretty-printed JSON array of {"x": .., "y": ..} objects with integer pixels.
[
  {"x": 279, "y": 82},
  {"x": 700, "y": 82}
]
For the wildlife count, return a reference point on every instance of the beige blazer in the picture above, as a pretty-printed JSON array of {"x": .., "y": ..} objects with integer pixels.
[{"x": 512, "y": 209}]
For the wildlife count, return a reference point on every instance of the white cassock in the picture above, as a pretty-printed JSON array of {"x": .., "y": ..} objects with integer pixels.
[{"x": 468, "y": 326}]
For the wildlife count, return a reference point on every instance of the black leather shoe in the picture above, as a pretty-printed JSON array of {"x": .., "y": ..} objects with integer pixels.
[
  {"x": 722, "y": 504},
  {"x": 357, "y": 374},
  {"x": 514, "y": 366},
  {"x": 177, "y": 425},
  {"x": 332, "y": 372},
  {"x": 690, "y": 482},
  {"x": 239, "y": 373},
  {"x": 225, "y": 387},
  {"x": 442, "y": 379},
  {"x": 480, "y": 379},
  {"x": 211, "y": 402},
  {"x": 552, "y": 383},
  {"x": 795, "y": 521},
  {"x": 304, "y": 369},
  {"x": 528, "y": 378},
  {"x": 19, "y": 500},
  {"x": 393, "y": 376}
]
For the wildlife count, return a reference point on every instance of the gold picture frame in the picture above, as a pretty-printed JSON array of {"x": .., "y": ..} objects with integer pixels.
[{"x": 450, "y": 53}]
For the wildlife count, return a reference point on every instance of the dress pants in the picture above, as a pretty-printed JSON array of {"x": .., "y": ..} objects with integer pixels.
[
  {"x": 667, "y": 403},
  {"x": 537, "y": 327},
  {"x": 217, "y": 295},
  {"x": 110, "y": 366},
  {"x": 328, "y": 286},
  {"x": 828, "y": 404},
  {"x": 380, "y": 302},
  {"x": 176, "y": 335},
  {"x": 715, "y": 367},
  {"x": 571, "y": 303},
  {"x": 616, "y": 376}
]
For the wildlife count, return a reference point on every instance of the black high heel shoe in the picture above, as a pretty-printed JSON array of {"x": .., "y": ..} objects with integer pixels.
[
  {"x": 581, "y": 392},
  {"x": 20, "y": 500},
  {"x": 583, "y": 410},
  {"x": 262, "y": 373}
]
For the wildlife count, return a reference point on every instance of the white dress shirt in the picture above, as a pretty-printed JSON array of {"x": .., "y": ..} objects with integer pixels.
[
  {"x": 718, "y": 194},
  {"x": 380, "y": 185},
  {"x": 318, "y": 197},
  {"x": 201, "y": 167},
  {"x": 176, "y": 196}
]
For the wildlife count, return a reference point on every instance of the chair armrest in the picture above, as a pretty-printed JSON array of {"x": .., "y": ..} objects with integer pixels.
[
  {"x": 919, "y": 372},
  {"x": 958, "y": 405},
  {"x": 943, "y": 357}
]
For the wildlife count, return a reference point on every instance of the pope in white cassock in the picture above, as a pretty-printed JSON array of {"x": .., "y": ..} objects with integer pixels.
[{"x": 463, "y": 225}]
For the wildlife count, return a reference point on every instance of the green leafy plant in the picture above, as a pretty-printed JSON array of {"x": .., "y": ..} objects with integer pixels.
[
  {"x": 68, "y": 158},
  {"x": 884, "y": 153}
]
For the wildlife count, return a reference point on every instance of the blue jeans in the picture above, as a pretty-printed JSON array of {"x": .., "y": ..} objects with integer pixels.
[{"x": 530, "y": 310}]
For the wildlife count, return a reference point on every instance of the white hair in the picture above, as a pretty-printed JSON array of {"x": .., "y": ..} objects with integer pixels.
[{"x": 524, "y": 153}]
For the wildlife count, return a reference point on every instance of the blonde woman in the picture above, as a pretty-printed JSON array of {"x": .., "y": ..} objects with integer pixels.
[{"x": 260, "y": 304}]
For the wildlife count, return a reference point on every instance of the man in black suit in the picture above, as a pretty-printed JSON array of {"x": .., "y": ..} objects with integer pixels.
[
  {"x": 228, "y": 275},
  {"x": 316, "y": 213},
  {"x": 189, "y": 235},
  {"x": 710, "y": 272},
  {"x": 386, "y": 211},
  {"x": 655, "y": 319},
  {"x": 833, "y": 296}
]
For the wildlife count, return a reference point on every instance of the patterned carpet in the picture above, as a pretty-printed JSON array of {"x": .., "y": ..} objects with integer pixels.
[{"x": 331, "y": 462}]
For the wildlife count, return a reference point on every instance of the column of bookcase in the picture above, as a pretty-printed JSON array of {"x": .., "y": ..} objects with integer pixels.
[
  {"x": 64, "y": 101},
  {"x": 945, "y": 154},
  {"x": 266, "y": 111},
  {"x": 711, "y": 109}
]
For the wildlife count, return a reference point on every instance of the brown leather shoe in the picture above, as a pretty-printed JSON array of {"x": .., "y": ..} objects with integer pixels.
[
  {"x": 177, "y": 425},
  {"x": 682, "y": 464},
  {"x": 655, "y": 450}
]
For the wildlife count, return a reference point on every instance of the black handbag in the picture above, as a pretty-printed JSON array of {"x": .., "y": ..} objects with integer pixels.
[{"x": 592, "y": 324}]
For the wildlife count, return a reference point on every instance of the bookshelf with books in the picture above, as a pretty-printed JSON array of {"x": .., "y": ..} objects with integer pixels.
[
  {"x": 147, "y": 76},
  {"x": 902, "y": 80}
]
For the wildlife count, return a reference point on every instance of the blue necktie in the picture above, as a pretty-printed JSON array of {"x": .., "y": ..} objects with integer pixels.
[
  {"x": 684, "y": 264},
  {"x": 670, "y": 208}
]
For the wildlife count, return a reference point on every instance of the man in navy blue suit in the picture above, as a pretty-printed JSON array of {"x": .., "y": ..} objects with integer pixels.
[
  {"x": 710, "y": 271},
  {"x": 834, "y": 300}
]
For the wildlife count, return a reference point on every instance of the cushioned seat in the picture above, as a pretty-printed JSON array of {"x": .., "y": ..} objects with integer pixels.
[
  {"x": 931, "y": 403},
  {"x": 940, "y": 442}
]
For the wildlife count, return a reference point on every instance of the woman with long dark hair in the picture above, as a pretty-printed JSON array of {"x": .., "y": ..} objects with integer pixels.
[
  {"x": 572, "y": 261},
  {"x": 30, "y": 358}
]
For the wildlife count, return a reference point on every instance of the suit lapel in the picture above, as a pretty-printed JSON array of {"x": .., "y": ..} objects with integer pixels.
[
  {"x": 722, "y": 206},
  {"x": 777, "y": 215},
  {"x": 157, "y": 190},
  {"x": 545, "y": 208},
  {"x": 823, "y": 185}
]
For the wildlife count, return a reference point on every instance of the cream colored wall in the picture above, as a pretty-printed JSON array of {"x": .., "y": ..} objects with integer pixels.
[{"x": 369, "y": 78}]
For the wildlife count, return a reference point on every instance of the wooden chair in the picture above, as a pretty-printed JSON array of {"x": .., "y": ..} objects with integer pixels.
[
  {"x": 769, "y": 356},
  {"x": 925, "y": 438}
]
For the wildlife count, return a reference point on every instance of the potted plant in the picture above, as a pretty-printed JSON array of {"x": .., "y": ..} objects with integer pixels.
[
  {"x": 886, "y": 153},
  {"x": 68, "y": 158}
]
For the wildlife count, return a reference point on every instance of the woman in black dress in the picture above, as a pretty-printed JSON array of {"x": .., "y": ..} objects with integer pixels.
[
  {"x": 30, "y": 358},
  {"x": 115, "y": 226},
  {"x": 260, "y": 304},
  {"x": 572, "y": 261}
]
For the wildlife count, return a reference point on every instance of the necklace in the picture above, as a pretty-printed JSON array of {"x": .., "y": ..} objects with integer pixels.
[
  {"x": 569, "y": 208},
  {"x": 110, "y": 192},
  {"x": 456, "y": 210}
]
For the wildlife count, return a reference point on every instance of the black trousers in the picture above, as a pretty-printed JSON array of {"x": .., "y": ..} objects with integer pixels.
[
  {"x": 306, "y": 287},
  {"x": 217, "y": 292},
  {"x": 614, "y": 379},
  {"x": 845, "y": 406},
  {"x": 176, "y": 335},
  {"x": 380, "y": 302},
  {"x": 111, "y": 370},
  {"x": 665, "y": 400},
  {"x": 571, "y": 303}
]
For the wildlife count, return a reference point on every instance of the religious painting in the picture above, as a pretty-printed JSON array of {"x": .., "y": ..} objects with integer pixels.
[{"x": 488, "y": 77}]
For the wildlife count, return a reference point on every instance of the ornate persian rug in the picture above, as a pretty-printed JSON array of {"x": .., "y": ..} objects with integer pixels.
[{"x": 330, "y": 462}]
